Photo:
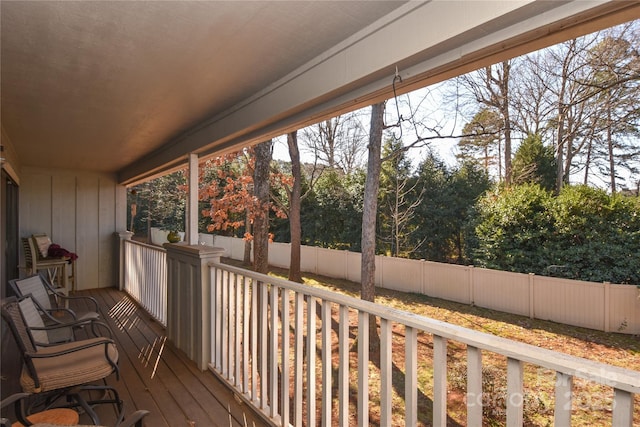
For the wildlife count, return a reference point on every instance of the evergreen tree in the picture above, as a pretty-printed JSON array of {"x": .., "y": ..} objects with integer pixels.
[{"x": 534, "y": 163}]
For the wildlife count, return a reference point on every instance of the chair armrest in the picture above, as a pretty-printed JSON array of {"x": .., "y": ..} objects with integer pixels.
[
  {"x": 13, "y": 398},
  {"x": 78, "y": 297},
  {"x": 50, "y": 316},
  {"x": 135, "y": 419},
  {"x": 67, "y": 348},
  {"x": 94, "y": 324}
]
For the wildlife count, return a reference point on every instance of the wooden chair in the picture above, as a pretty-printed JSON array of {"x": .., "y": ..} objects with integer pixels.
[{"x": 55, "y": 268}]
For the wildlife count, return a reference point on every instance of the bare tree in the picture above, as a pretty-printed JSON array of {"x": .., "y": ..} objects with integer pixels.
[
  {"x": 400, "y": 197},
  {"x": 490, "y": 88},
  {"x": 337, "y": 142}
]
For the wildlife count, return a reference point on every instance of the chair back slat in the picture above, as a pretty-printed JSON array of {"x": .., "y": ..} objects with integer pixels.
[
  {"x": 13, "y": 316},
  {"x": 28, "y": 253},
  {"x": 36, "y": 288},
  {"x": 33, "y": 319}
]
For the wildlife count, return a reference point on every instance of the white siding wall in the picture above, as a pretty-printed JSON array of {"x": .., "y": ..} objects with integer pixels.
[{"x": 80, "y": 211}]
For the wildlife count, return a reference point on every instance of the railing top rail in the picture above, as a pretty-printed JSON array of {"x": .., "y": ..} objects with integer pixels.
[
  {"x": 619, "y": 378},
  {"x": 146, "y": 245}
]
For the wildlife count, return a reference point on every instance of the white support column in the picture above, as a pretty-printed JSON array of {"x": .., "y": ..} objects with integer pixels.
[
  {"x": 191, "y": 235},
  {"x": 122, "y": 236}
]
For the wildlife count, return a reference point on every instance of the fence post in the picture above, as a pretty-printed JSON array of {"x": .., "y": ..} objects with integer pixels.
[
  {"x": 532, "y": 313},
  {"x": 472, "y": 291},
  {"x": 607, "y": 305}
]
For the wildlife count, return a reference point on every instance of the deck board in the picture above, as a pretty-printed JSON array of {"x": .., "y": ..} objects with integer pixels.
[
  {"x": 160, "y": 378},
  {"x": 156, "y": 376}
]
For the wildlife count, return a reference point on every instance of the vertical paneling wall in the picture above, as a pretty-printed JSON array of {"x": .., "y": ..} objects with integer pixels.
[{"x": 80, "y": 211}]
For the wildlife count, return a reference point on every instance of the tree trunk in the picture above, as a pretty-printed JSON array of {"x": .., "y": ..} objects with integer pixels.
[
  {"x": 612, "y": 163},
  {"x": 506, "y": 67},
  {"x": 261, "y": 221},
  {"x": 294, "y": 208},
  {"x": 246, "y": 260},
  {"x": 369, "y": 213}
]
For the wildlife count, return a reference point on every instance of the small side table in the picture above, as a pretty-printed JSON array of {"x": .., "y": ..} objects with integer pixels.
[{"x": 57, "y": 416}]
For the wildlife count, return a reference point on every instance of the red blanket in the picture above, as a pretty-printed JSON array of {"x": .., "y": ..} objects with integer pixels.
[{"x": 57, "y": 252}]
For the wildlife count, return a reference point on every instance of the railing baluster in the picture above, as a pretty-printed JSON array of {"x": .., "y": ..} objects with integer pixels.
[
  {"x": 439, "y": 381},
  {"x": 237, "y": 325},
  {"x": 299, "y": 358},
  {"x": 285, "y": 358},
  {"x": 254, "y": 341},
  {"x": 411, "y": 376},
  {"x": 326, "y": 363},
  {"x": 246, "y": 304},
  {"x": 311, "y": 361},
  {"x": 515, "y": 396},
  {"x": 273, "y": 351},
  {"x": 231, "y": 326},
  {"x": 622, "y": 408},
  {"x": 225, "y": 324},
  {"x": 216, "y": 293},
  {"x": 562, "y": 411},
  {"x": 386, "y": 386},
  {"x": 363, "y": 368},
  {"x": 264, "y": 327},
  {"x": 343, "y": 366},
  {"x": 474, "y": 387}
]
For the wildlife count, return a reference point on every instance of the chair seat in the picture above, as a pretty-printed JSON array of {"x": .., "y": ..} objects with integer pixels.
[{"x": 67, "y": 370}]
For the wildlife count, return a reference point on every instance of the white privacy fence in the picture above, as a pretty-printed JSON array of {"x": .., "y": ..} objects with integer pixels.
[
  {"x": 600, "y": 306},
  {"x": 301, "y": 355},
  {"x": 145, "y": 277}
]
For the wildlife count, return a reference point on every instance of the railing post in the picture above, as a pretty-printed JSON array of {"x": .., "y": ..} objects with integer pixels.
[
  {"x": 189, "y": 299},
  {"x": 122, "y": 236}
]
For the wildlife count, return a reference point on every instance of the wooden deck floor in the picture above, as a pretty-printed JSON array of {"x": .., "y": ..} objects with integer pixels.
[{"x": 156, "y": 376}]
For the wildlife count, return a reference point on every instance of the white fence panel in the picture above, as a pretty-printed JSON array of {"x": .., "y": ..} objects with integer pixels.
[
  {"x": 572, "y": 302},
  {"x": 206, "y": 239},
  {"x": 501, "y": 290},
  {"x": 309, "y": 259},
  {"x": 354, "y": 261},
  {"x": 446, "y": 281},
  {"x": 233, "y": 246},
  {"x": 400, "y": 274},
  {"x": 332, "y": 263},
  {"x": 280, "y": 254},
  {"x": 624, "y": 312}
]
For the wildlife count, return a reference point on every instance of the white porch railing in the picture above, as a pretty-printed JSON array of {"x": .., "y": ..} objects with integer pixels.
[
  {"x": 145, "y": 277},
  {"x": 266, "y": 333}
]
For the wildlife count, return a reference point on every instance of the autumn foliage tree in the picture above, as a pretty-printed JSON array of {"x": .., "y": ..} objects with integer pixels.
[{"x": 227, "y": 193}]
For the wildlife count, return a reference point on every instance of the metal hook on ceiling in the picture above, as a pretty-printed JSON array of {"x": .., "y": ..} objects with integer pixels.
[{"x": 398, "y": 78}]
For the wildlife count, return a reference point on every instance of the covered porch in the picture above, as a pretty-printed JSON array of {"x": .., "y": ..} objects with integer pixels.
[{"x": 97, "y": 96}]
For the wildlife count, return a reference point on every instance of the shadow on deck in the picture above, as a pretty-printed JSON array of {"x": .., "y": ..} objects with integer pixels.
[{"x": 158, "y": 377}]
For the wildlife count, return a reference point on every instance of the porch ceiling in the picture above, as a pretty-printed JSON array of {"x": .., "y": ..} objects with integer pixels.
[{"x": 131, "y": 87}]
